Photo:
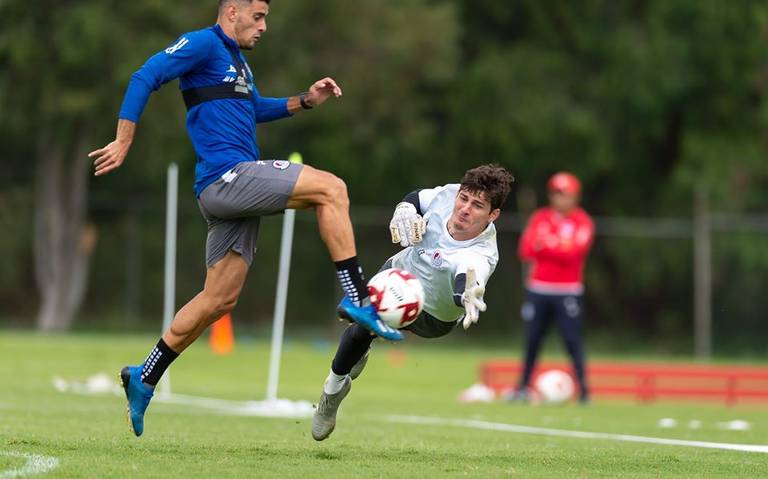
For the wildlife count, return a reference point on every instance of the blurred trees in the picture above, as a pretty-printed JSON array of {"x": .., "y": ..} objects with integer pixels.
[
  {"x": 643, "y": 99},
  {"x": 60, "y": 84}
]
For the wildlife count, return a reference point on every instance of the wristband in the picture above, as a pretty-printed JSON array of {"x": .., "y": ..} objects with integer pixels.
[{"x": 303, "y": 102}]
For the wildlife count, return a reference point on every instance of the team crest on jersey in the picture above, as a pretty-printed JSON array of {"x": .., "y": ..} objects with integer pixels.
[
  {"x": 437, "y": 259},
  {"x": 281, "y": 164}
]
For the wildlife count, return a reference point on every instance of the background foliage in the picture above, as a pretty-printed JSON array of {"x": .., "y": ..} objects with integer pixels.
[{"x": 644, "y": 100}]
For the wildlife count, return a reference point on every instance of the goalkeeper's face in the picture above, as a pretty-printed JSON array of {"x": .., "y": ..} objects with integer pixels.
[{"x": 471, "y": 214}]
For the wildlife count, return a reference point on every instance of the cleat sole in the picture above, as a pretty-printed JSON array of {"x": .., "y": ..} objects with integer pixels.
[{"x": 125, "y": 376}]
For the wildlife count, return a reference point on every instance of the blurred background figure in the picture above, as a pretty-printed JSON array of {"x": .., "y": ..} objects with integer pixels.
[{"x": 554, "y": 245}]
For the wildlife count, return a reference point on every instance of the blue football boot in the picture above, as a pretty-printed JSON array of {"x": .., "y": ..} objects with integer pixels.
[
  {"x": 367, "y": 317},
  {"x": 138, "y": 394}
]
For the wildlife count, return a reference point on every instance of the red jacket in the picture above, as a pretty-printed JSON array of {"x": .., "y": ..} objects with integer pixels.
[{"x": 557, "y": 247}]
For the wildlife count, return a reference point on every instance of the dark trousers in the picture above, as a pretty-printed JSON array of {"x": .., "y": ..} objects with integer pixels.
[{"x": 538, "y": 311}]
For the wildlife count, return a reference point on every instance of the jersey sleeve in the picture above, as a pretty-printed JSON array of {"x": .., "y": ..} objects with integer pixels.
[
  {"x": 426, "y": 197},
  {"x": 183, "y": 56},
  {"x": 483, "y": 265},
  {"x": 270, "y": 109},
  {"x": 413, "y": 198},
  {"x": 526, "y": 249}
]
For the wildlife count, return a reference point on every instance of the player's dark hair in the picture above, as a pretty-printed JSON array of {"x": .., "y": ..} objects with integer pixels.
[{"x": 492, "y": 180}]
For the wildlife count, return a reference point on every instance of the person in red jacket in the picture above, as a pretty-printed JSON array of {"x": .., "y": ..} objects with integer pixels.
[{"x": 555, "y": 244}]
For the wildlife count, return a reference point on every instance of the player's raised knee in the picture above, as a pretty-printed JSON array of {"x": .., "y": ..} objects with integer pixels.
[{"x": 335, "y": 191}]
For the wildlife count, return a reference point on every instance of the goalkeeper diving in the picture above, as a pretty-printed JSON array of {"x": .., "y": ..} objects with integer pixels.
[{"x": 449, "y": 243}]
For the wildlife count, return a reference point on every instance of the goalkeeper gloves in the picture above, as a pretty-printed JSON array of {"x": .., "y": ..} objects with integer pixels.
[
  {"x": 472, "y": 299},
  {"x": 407, "y": 226}
]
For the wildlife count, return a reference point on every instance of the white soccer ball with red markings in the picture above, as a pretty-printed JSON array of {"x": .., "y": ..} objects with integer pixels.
[
  {"x": 554, "y": 386},
  {"x": 397, "y": 296}
]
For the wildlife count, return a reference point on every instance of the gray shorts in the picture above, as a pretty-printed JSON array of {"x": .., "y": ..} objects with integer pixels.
[{"x": 233, "y": 205}]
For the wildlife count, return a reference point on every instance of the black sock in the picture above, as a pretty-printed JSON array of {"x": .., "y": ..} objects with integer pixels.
[
  {"x": 157, "y": 362},
  {"x": 351, "y": 278},
  {"x": 354, "y": 343}
]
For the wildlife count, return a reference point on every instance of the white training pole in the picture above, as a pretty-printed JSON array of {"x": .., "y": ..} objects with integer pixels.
[
  {"x": 171, "y": 206},
  {"x": 281, "y": 298},
  {"x": 286, "y": 244}
]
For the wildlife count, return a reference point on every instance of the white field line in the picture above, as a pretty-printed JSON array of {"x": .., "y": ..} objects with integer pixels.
[
  {"x": 298, "y": 409},
  {"x": 35, "y": 465},
  {"x": 541, "y": 431},
  {"x": 277, "y": 408}
]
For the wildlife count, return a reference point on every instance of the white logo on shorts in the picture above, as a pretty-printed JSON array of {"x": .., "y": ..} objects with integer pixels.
[
  {"x": 281, "y": 164},
  {"x": 229, "y": 176}
]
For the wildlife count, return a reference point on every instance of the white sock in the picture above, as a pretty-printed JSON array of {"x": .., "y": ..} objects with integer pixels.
[{"x": 333, "y": 383}]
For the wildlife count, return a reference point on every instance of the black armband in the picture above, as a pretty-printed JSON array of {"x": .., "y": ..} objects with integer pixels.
[
  {"x": 458, "y": 289},
  {"x": 413, "y": 198}
]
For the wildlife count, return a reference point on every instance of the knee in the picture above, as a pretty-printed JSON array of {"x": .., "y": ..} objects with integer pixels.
[{"x": 335, "y": 191}]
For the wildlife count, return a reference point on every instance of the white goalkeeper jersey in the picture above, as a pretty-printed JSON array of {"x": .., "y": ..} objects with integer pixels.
[{"x": 439, "y": 258}]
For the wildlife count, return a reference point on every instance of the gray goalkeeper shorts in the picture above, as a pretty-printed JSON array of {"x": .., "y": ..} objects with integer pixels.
[{"x": 234, "y": 204}]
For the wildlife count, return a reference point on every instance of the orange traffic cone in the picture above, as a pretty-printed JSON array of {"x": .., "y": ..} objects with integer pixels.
[{"x": 222, "y": 339}]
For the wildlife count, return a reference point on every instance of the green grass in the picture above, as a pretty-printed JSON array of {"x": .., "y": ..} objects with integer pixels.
[{"x": 89, "y": 437}]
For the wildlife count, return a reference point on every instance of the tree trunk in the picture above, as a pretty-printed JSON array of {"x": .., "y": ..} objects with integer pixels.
[{"x": 63, "y": 244}]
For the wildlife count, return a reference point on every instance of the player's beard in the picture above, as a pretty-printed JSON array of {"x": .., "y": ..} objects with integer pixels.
[
  {"x": 250, "y": 41},
  {"x": 462, "y": 224},
  {"x": 455, "y": 227},
  {"x": 453, "y": 230},
  {"x": 249, "y": 45}
]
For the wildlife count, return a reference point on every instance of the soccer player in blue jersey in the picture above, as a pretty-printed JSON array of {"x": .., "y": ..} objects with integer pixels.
[{"x": 234, "y": 187}]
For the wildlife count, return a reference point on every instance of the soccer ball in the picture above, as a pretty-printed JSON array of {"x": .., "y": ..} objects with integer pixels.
[
  {"x": 554, "y": 386},
  {"x": 397, "y": 296}
]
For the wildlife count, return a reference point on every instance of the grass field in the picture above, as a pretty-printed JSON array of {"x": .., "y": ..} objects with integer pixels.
[{"x": 86, "y": 436}]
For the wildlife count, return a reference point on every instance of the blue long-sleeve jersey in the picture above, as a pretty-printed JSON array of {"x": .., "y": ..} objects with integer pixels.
[{"x": 223, "y": 132}]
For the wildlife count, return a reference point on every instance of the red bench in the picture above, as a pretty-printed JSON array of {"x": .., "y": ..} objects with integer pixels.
[{"x": 648, "y": 381}]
